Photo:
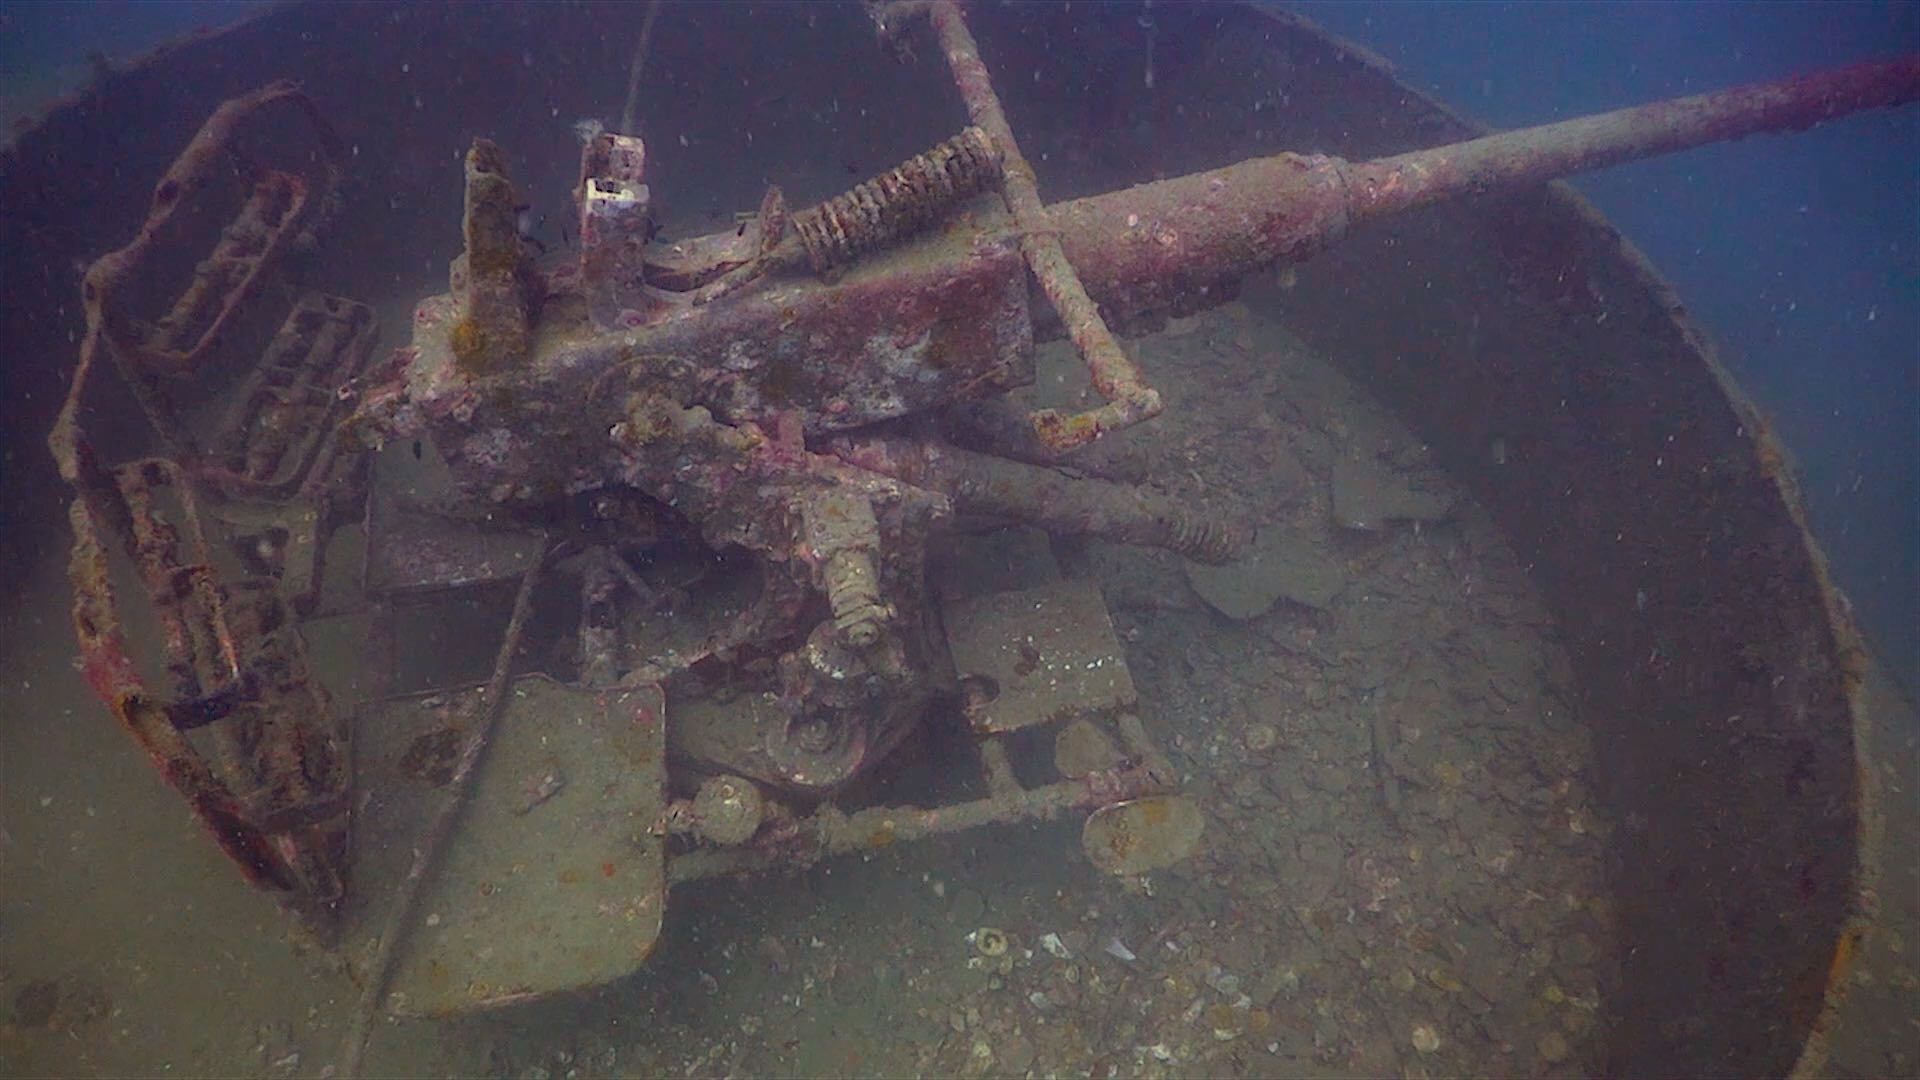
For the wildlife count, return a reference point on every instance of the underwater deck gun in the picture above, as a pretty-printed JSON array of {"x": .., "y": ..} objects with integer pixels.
[{"x": 821, "y": 391}]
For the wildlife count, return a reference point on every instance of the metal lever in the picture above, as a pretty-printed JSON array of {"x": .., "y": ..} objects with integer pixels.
[{"x": 1129, "y": 398}]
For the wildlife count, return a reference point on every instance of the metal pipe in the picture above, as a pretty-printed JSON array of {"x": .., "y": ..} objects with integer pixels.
[
  {"x": 1129, "y": 398},
  {"x": 1174, "y": 244},
  {"x": 1051, "y": 499},
  {"x": 830, "y": 831},
  {"x": 1536, "y": 154}
]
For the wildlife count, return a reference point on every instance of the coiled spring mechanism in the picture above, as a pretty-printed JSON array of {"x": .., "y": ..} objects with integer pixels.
[{"x": 898, "y": 203}]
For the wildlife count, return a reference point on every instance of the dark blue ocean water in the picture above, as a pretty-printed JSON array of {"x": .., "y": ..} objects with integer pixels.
[{"x": 1800, "y": 253}]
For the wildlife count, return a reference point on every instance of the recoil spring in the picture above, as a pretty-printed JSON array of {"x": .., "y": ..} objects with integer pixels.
[
  {"x": 899, "y": 202},
  {"x": 1205, "y": 539},
  {"x": 892, "y": 206}
]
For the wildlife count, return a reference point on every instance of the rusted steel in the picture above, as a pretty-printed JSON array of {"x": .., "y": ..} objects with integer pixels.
[
  {"x": 1054, "y": 500},
  {"x": 998, "y": 426},
  {"x": 427, "y": 850},
  {"x": 830, "y": 831},
  {"x": 750, "y": 425},
  {"x": 274, "y": 793},
  {"x": 279, "y": 207},
  {"x": 492, "y": 281},
  {"x": 108, "y": 667},
  {"x": 599, "y": 633},
  {"x": 1181, "y": 245},
  {"x": 202, "y": 655},
  {"x": 242, "y": 729},
  {"x": 1532, "y": 155},
  {"x": 573, "y": 778},
  {"x": 891, "y": 338},
  {"x": 898, "y": 203},
  {"x": 1177, "y": 245},
  {"x": 1129, "y": 398},
  {"x": 615, "y": 224},
  {"x": 840, "y": 539},
  {"x": 281, "y": 431},
  {"x": 1039, "y": 656},
  {"x": 850, "y": 685},
  {"x": 903, "y": 201},
  {"x": 415, "y": 548}
]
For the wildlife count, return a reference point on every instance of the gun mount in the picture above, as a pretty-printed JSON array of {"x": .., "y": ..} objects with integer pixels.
[{"x": 799, "y": 414}]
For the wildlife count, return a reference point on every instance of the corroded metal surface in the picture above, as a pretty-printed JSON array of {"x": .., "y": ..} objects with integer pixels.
[
  {"x": 893, "y": 337},
  {"x": 282, "y": 425},
  {"x": 1719, "y": 672},
  {"x": 1177, "y": 244},
  {"x": 831, "y": 831},
  {"x": 616, "y": 222},
  {"x": 898, "y": 203},
  {"x": 276, "y": 208},
  {"x": 241, "y": 729},
  {"x": 1509, "y": 159},
  {"x": 491, "y": 282},
  {"x": 1054, "y": 500},
  {"x": 267, "y": 210},
  {"x": 417, "y": 546},
  {"x": 906, "y": 200},
  {"x": 1038, "y": 656},
  {"x": 1129, "y": 399},
  {"x": 559, "y": 824}
]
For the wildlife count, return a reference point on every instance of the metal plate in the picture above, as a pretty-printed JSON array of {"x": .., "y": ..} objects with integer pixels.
[
  {"x": 554, "y": 879},
  {"x": 1037, "y": 656},
  {"x": 729, "y": 735},
  {"x": 413, "y": 549}
]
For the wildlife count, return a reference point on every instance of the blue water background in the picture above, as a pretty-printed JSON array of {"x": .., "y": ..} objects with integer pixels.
[{"x": 1799, "y": 254}]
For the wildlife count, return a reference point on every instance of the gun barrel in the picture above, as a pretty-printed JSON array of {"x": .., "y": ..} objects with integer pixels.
[
  {"x": 1171, "y": 244},
  {"x": 1536, "y": 154}
]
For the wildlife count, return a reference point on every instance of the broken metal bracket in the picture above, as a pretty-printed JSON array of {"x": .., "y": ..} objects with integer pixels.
[
  {"x": 615, "y": 224},
  {"x": 492, "y": 282}
]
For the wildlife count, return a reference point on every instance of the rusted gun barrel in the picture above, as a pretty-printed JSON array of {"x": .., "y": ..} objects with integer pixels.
[
  {"x": 1532, "y": 155},
  {"x": 1053, "y": 500},
  {"x": 1158, "y": 246}
]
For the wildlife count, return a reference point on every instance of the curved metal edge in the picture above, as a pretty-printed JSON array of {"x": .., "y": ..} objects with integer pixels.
[
  {"x": 82, "y": 95},
  {"x": 1848, "y": 645},
  {"x": 183, "y": 175}
]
